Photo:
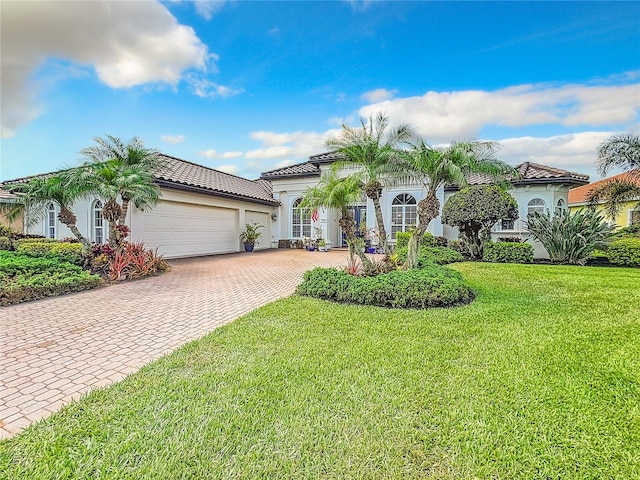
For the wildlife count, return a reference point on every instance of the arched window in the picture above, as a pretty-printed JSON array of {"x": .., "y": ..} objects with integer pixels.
[
  {"x": 536, "y": 205},
  {"x": 98, "y": 222},
  {"x": 560, "y": 208},
  {"x": 403, "y": 213},
  {"x": 300, "y": 220},
  {"x": 51, "y": 221}
]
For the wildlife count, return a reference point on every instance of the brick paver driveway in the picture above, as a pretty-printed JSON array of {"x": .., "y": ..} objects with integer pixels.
[{"x": 53, "y": 351}]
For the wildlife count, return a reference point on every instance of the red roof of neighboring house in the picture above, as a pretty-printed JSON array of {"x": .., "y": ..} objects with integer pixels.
[{"x": 578, "y": 195}]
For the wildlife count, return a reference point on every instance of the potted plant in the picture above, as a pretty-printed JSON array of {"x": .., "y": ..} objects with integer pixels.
[
  {"x": 322, "y": 245},
  {"x": 250, "y": 236}
]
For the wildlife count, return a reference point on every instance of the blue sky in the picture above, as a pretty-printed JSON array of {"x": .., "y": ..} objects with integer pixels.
[{"x": 251, "y": 86}]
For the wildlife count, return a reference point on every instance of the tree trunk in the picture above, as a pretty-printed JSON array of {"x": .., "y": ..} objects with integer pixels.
[
  {"x": 428, "y": 209},
  {"x": 125, "y": 208},
  {"x": 67, "y": 217},
  {"x": 348, "y": 227},
  {"x": 373, "y": 190}
]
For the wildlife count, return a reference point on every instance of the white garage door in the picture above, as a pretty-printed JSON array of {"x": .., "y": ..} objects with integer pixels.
[{"x": 185, "y": 230}]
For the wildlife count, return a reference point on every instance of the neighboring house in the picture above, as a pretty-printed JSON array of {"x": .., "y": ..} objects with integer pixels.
[
  {"x": 17, "y": 225},
  {"x": 201, "y": 212},
  {"x": 539, "y": 189},
  {"x": 629, "y": 213}
]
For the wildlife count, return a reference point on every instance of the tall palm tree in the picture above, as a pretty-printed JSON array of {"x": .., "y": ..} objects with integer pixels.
[
  {"x": 622, "y": 150},
  {"x": 434, "y": 167},
  {"x": 115, "y": 170},
  {"x": 373, "y": 147},
  {"x": 34, "y": 196},
  {"x": 338, "y": 194}
]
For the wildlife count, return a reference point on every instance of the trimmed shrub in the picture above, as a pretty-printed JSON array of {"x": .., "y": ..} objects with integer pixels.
[
  {"x": 402, "y": 239},
  {"x": 433, "y": 286},
  {"x": 66, "y": 252},
  {"x": 5, "y": 243},
  {"x": 24, "y": 278},
  {"x": 460, "y": 247},
  {"x": 508, "y": 252},
  {"x": 511, "y": 239},
  {"x": 625, "y": 252},
  {"x": 431, "y": 255}
]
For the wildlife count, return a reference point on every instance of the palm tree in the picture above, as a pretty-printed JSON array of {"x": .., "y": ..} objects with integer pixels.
[
  {"x": 434, "y": 167},
  {"x": 373, "y": 147},
  {"x": 34, "y": 196},
  {"x": 622, "y": 150},
  {"x": 338, "y": 194},
  {"x": 117, "y": 170}
]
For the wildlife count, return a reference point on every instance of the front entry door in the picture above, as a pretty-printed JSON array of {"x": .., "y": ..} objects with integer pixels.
[{"x": 359, "y": 214}]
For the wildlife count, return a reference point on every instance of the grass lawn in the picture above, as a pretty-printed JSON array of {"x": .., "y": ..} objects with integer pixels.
[{"x": 538, "y": 378}]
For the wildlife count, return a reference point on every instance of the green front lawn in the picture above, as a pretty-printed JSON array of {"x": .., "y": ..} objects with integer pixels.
[{"x": 538, "y": 378}]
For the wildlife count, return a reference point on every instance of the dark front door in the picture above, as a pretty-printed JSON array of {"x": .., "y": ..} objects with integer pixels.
[{"x": 359, "y": 214}]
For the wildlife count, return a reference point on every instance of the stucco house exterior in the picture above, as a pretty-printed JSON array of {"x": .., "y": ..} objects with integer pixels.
[
  {"x": 630, "y": 211},
  {"x": 202, "y": 210},
  {"x": 18, "y": 224},
  {"x": 538, "y": 189}
]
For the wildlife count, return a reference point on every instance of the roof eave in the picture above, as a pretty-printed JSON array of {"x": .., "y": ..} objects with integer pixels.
[{"x": 215, "y": 193}]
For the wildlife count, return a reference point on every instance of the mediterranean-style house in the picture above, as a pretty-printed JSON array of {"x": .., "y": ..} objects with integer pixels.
[
  {"x": 538, "y": 189},
  {"x": 202, "y": 210},
  {"x": 630, "y": 211}
]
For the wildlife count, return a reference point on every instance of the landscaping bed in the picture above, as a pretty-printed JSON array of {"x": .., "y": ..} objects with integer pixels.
[{"x": 24, "y": 277}]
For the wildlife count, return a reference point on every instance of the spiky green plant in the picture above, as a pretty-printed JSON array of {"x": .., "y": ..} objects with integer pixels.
[{"x": 570, "y": 237}]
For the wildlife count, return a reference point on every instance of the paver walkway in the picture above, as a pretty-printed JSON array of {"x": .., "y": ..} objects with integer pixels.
[{"x": 55, "y": 350}]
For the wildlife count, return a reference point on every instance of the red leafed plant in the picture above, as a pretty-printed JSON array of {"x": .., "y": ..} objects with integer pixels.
[
  {"x": 353, "y": 267},
  {"x": 118, "y": 266}
]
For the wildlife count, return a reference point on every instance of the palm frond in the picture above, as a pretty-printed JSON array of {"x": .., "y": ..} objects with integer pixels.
[
  {"x": 621, "y": 150},
  {"x": 613, "y": 194}
]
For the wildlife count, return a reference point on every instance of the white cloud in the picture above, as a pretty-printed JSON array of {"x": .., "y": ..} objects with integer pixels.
[
  {"x": 359, "y": 5},
  {"x": 284, "y": 163},
  {"x": 207, "y": 8},
  {"x": 289, "y": 145},
  {"x": 232, "y": 169},
  {"x": 206, "y": 88},
  {"x": 378, "y": 95},
  {"x": 573, "y": 151},
  {"x": 215, "y": 154},
  {"x": 444, "y": 116},
  {"x": 126, "y": 43},
  {"x": 172, "y": 138}
]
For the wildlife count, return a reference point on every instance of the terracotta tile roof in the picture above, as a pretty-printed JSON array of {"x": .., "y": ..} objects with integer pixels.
[
  {"x": 578, "y": 195},
  {"x": 327, "y": 157},
  {"x": 5, "y": 194},
  {"x": 532, "y": 173},
  {"x": 190, "y": 174},
  {"x": 306, "y": 169}
]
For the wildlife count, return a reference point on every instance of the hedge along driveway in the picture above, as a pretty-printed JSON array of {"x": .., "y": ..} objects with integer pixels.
[{"x": 54, "y": 350}]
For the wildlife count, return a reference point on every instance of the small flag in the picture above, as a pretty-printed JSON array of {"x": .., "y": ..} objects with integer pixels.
[{"x": 314, "y": 215}]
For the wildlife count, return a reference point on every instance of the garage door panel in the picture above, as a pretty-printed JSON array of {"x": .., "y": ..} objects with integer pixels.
[{"x": 182, "y": 229}]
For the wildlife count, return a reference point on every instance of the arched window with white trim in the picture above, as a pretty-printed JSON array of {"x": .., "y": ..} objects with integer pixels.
[
  {"x": 300, "y": 220},
  {"x": 560, "y": 207},
  {"x": 403, "y": 213},
  {"x": 97, "y": 222},
  {"x": 536, "y": 205},
  {"x": 51, "y": 221}
]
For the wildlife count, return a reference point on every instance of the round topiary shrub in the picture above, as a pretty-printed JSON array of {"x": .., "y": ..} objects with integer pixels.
[{"x": 432, "y": 286}]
